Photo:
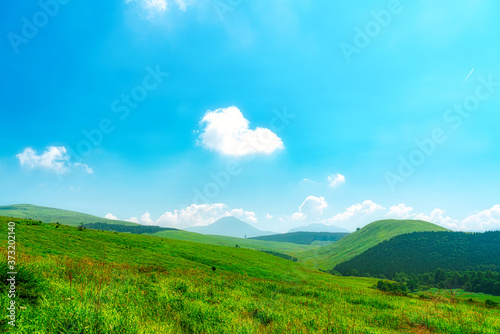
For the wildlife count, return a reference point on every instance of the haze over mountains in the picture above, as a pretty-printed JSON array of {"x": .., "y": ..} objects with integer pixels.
[
  {"x": 231, "y": 227},
  {"x": 317, "y": 227}
]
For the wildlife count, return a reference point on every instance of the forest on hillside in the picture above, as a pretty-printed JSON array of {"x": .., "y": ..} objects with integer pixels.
[{"x": 424, "y": 252}]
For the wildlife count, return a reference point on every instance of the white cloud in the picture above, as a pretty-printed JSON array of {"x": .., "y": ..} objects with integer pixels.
[
  {"x": 269, "y": 216},
  {"x": 111, "y": 216},
  {"x": 203, "y": 214},
  {"x": 247, "y": 216},
  {"x": 335, "y": 180},
  {"x": 484, "y": 220},
  {"x": 311, "y": 208},
  {"x": 133, "y": 220},
  {"x": 437, "y": 216},
  {"x": 54, "y": 158},
  {"x": 226, "y": 131},
  {"x": 146, "y": 219},
  {"x": 356, "y": 211},
  {"x": 400, "y": 211}
]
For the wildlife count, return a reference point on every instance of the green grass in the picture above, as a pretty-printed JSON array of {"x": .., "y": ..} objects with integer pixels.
[
  {"x": 327, "y": 257},
  {"x": 283, "y": 247},
  {"x": 459, "y": 294},
  {"x": 104, "y": 282},
  {"x": 51, "y": 215}
]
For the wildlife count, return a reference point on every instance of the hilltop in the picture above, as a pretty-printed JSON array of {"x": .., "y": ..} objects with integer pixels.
[
  {"x": 53, "y": 215},
  {"x": 329, "y": 256},
  {"x": 230, "y": 227}
]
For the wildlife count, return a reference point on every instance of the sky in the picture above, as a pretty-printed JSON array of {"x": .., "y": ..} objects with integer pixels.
[{"x": 282, "y": 114}]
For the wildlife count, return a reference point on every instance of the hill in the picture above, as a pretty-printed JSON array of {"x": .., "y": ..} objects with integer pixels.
[
  {"x": 424, "y": 252},
  {"x": 88, "y": 281},
  {"x": 52, "y": 215},
  {"x": 230, "y": 227},
  {"x": 303, "y": 238},
  {"x": 317, "y": 227},
  {"x": 329, "y": 256}
]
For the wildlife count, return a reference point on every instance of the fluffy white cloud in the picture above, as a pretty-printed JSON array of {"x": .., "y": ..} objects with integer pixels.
[
  {"x": 146, "y": 219},
  {"x": 484, "y": 220},
  {"x": 111, "y": 216},
  {"x": 311, "y": 208},
  {"x": 54, "y": 158},
  {"x": 400, "y": 211},
  {"x": 335, "y": 180},
  {"x": 202, "y": 214},
  {"x": 357, "y": 211},
  {"x": 269, "y": 216},
  {"x": 226, "y": 131},
  {"x": 437, "y": 216}
]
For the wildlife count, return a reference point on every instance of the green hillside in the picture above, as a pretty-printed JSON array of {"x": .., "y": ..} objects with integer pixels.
[
  {"x": 52, "y": 215},
  {"x": 329, "y": 256},
  {"x": 423, "y": 252},
  {"x": 303, "y": 238},
  {"x": 88, "y": 281},
  {"x": 284, "y": 247}
]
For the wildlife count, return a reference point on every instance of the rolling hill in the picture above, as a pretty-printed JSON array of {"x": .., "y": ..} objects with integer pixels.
[
  {"x": 327, "y": 257},
  {"x": 87, "y": 281},
  {"x": 317, "y": 227},
  {"x": 423, "y": 252},
  {"x": 52, "y": 215},
  {"x": 230, "y": 227},
  {"x": 304, "y": 238}
]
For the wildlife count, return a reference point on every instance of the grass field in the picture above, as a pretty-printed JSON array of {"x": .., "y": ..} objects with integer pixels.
[
  {"x": 329, "y": 256},
  {"x": 89, "y": 281},
  {"x": 52, "y": 215}
]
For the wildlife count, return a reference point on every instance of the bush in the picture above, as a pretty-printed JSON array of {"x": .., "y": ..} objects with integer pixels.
[{"x": 30, "y": 285}]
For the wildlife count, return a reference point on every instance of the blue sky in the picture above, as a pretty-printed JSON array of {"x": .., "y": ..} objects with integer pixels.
[{"x": 302, "y": 111}]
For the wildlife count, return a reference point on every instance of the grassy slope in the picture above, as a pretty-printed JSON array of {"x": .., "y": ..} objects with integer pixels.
[
  {"x": 329, "y": 256},
  {"x": 282, "y": 247},
  {"x": 51, "y": 215},
  {"x": 105, "y": 282}
]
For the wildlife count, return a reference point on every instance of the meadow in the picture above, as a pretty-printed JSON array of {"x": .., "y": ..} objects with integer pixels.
[{"x": 87, "y": 281}]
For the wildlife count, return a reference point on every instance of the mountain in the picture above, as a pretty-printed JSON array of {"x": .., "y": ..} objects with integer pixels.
[
  {"x": 423, "y": 252},
  {"x": 317, "y": 227},
  {"x": 229, "y": 226},
  {"x": 304, "y": 238},
  {"x": 329, "y": 256},
  {"x": 52, "y": 215}
]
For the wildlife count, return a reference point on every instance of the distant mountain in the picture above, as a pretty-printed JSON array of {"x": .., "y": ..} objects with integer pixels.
[
  {"x": 304, "y": 238},
  {"x": 317, "y": 227},
  {"x": 229, "y": 226},
  {"x": 329, "y": 256},
  {"x": 52, "y": 215}
]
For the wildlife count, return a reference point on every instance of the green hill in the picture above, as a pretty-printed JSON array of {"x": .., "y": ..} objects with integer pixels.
[
  {"x": 86, "y": 281},
  {"x": 303, "y": 238},
  {"x": 423, "y": 252},
  {"x": 52, "y": 215},
  {"x": 329, "y": 256}
]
